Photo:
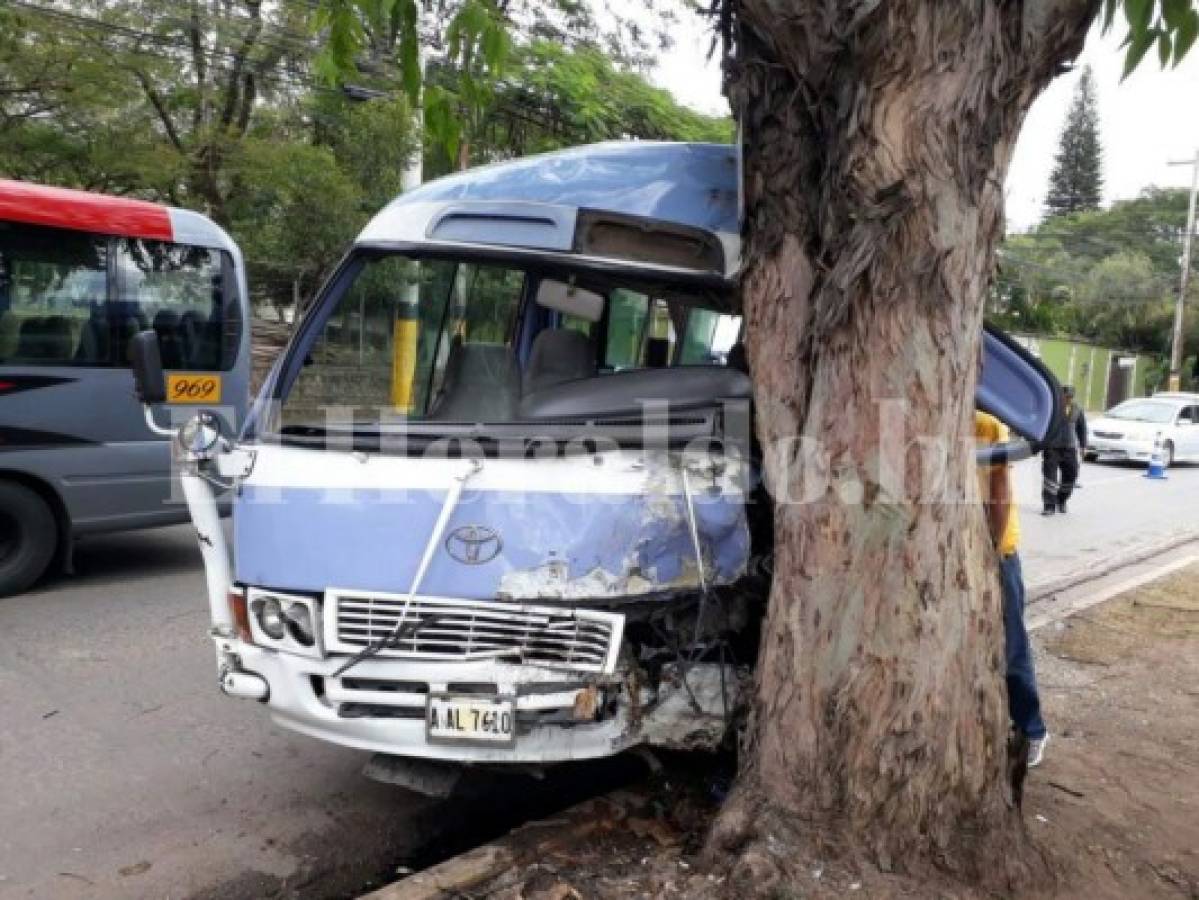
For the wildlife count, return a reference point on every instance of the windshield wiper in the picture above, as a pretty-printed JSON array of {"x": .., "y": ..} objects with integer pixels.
[
  {"x": 402, "y": 630},
  {"x": 389, "y": 641}
]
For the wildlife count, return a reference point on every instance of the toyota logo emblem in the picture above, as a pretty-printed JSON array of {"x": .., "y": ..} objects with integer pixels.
[{"x": 473, "y": 545}]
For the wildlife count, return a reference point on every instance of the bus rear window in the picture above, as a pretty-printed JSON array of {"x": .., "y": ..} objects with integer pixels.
[
  {"x": 178, "y": 291},
  {"x": 73, "y": 299}
]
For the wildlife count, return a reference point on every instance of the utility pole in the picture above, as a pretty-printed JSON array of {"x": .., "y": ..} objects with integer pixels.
[
  {"x": 406, "y": 332},
  {"x": 1176, "y": 344}
]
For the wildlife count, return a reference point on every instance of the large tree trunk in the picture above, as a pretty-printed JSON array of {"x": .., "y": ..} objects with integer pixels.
[{"x": 876, "y": 142}]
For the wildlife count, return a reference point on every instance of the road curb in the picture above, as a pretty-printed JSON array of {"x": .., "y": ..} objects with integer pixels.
[
  {"x": 525, "y": 844},
  {"x": 1041, "y": 592},
  {"x": 1050, "y": 613}
]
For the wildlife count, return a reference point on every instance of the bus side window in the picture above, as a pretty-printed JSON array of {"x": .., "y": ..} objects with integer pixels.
[
  {"x": 179, "y": 291},
  {"x": 627, "y": 314},
  {"x": 708, "y": 337},
  {"x": 55, "y": 287},
  {"x": 644, "y": 332}
]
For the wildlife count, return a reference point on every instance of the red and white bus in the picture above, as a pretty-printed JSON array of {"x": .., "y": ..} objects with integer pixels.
[{"x": 80, "y": 274}]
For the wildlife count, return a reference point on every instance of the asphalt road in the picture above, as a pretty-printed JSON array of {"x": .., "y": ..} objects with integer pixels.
[
  {"x": 1114, "y": 514},
  {"x": 125, "y": 773}
]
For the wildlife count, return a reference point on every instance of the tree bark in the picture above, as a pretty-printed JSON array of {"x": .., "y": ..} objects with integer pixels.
[{"x": 876, "y": 141}]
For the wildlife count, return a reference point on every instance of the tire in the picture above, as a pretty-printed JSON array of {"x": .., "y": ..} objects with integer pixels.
[
  {"x": 28, "y": 537},
  {"x": 1167, "y": 454},
  {"x": 1089, "y": 456}
]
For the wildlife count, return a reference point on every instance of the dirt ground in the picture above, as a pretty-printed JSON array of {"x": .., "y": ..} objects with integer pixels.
[
  {"x": 1117, "y": 799},
  {"x": 1114, "y": 807}
]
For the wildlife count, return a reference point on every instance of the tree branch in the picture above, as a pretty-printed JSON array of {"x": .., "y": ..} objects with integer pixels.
[
  {"x": 1053, "y": 28},
  {"x": 160, "y": 107},
  {"x": 199, "y": 63},
  {"x": 248, "y": 94},
  {"x": 234, "y": 85}
]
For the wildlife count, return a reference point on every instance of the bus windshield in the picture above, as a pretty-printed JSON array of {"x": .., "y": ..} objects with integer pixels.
[{"x": 468, "y": 342}]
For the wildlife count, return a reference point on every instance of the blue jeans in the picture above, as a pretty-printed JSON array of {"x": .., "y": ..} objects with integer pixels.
[{"x": 1024, "y": 704}]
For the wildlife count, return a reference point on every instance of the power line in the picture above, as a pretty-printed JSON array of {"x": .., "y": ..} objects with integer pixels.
[
  {"x": 295, "y": 37},
  {"x": 1149, "y": 230},
  {"x": 219, "y": 60},
  {"x": 291, "y": 40}
]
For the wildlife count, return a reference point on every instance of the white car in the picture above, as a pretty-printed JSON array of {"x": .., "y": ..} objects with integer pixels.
[{"x": 1128, "y": 431}]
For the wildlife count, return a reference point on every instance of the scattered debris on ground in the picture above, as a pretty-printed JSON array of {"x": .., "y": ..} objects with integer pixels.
[{"x": 1114, "y": 807}]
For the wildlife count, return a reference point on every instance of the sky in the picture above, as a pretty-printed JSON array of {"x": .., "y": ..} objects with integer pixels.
[{"x": 1145, "y": 122}]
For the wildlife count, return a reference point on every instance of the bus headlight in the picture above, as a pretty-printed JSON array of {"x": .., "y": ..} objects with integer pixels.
[
  {"x": 299, "y": 617},
  {"x": 287, "y": 622},
  {"x": 270, "y": 617}
]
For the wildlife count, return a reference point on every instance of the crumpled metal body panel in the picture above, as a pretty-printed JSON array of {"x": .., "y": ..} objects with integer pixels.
[{"x": 612, "y": 525}]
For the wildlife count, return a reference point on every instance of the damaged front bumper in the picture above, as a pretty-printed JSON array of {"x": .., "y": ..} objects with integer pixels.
[{"x": 381, "y": 705}]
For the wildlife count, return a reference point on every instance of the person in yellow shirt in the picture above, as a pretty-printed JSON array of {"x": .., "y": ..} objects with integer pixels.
[{"x": 1024, "y": 703}]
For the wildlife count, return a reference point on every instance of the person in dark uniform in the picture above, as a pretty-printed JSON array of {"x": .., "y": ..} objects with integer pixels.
[{"x": 1066, "y": 442}]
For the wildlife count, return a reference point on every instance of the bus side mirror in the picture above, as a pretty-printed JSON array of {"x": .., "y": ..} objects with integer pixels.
[
  {"x": 148, "y": 380},
  {"x": 1016, "y": 388}
]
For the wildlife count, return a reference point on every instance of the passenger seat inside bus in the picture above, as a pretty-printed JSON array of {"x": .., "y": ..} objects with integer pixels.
[
  {"x": 94, "y": 340},
  {"x": 558, "y": 355},
  {"x": 166, "y": 326},
  {"x": 192, "y": 334},
  {"x": 46, "y": 339},
  {"x": 481, "y": 384}
]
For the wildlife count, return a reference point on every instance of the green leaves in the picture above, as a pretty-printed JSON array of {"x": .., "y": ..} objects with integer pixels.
[
  {"x": 1076, "y": 181},
  {"x": 344, "y": 33},
  {"x": 442, "y": 125},
  {"x": 1138, "y": 46},
  {"x": 1185, "y": 34},
  {"x": 409, "y": 47},
  {"x": 477, "y": 37},
  {"x": 1171, "y": 24},
  {"x": 1175, "y": 12},
  {"x": 1163, "y": 49},
  {"x": 1139, "y": 14},
  {"x": 1107, "y": 275}
]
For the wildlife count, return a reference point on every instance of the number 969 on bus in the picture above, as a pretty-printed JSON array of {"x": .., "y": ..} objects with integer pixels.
[{"x": 183, "y": 387}]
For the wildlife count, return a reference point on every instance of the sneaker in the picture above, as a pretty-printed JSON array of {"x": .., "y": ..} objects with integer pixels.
[
  {"x": 1036, "y": 750},
  {"x": 1048, "y": 511}
]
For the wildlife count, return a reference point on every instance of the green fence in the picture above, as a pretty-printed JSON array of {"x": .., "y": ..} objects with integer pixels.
[{"x": 1090, "y": 368}]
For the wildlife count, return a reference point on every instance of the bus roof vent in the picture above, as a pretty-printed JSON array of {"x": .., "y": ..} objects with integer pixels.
[
  {"x": 642, "y": 240},
  {"x": 538, "y": 226}
]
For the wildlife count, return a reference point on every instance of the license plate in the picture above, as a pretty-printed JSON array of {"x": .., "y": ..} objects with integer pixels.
[
  {"x": 193, "y": 388},
  {"x": 470, "y": 719}
]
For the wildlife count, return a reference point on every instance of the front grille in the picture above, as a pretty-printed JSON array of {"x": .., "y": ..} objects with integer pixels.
[
  {"x": 465, "y": 630},
  {"x": 1110, "y": 435}
]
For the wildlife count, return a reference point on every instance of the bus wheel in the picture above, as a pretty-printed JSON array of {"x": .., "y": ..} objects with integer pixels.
[{"x": 28, "y": 537}]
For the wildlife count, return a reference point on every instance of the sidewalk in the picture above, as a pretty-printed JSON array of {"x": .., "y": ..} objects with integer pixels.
[{"x": 1115, "y": 806}]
